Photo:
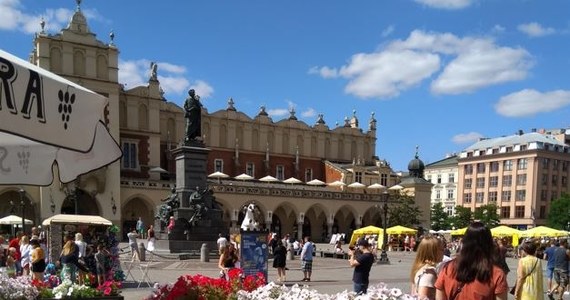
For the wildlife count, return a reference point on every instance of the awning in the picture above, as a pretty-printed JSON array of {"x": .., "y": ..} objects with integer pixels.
[{"x": 76, "y": 219}]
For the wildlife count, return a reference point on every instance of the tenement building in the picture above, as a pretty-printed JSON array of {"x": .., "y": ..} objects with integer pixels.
[
  {"x": 443, "y": 174},
  {"x": 520, "y": 173},
  {"x": 148, "y": 127}
]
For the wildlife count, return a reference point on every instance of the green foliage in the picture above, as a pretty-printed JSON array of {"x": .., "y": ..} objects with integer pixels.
[
  {"x": 487, "y": 214},
  {"x": 404, "y": 213},
  {"x": 559, "y": 215},
  {"x": 463, "y": 217},
  {"x": 439, "y": 218}
]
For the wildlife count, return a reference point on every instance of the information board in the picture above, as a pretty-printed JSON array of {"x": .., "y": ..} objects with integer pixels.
[{"x": 254, "y": 252}]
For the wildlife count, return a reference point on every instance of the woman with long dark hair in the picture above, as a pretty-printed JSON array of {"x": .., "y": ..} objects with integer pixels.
[{"x": 473, "y": 274}]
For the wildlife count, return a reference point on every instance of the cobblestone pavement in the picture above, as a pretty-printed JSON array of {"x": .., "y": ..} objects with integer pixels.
[{"x": 330, "y": 275}]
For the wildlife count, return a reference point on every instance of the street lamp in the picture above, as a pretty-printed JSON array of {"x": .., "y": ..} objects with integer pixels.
[
  {"x": 23, "y": 203},
  {"x": 384, "y": 256}
]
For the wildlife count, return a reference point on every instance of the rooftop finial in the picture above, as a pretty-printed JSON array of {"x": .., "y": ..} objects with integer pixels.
[
  {"x": 231, "y": 104},
  {"x": 78, "y": 4},
  {"x": 417, "y": 151},
  {"x": 112, "y": 37},
  {"x": 43, "y": 25}
]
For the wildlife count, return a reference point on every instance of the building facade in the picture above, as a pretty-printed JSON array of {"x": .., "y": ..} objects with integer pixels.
[
  {"x": 522, "y": 174},
  {"x": 148, "y": 127},
  {"x": 443, "y": 174}
]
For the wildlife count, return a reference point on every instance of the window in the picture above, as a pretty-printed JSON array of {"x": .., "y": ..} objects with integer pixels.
[
  {"x": 280, "y": 172},
  {"x": 495, "y": 150},
  {"x": 545, "y": 163},
  {"x": 494, "y": 166},
  {"x": 468, "y": 169},
  {"x": 384, "y": 179},
  {"x": 467, "y": 197},
  {"x": 438, "y": 194},
  {"x": 507, "y": 180},
  {"x": 451, "y": 177},
  {"x": 508, "y": 165},
  {"x": 564, "y": 181},
  {"x": 438, "y": 178},
  {"x": 521, "y": 195},
  {"x": 509, "y": 149},
  {"x": 450, "y": 194},
  {"x": 519, "y": 211},
  {"x": 308, "y": 175},
  {"x": 521, "y": 179},
  {"x": 130, "y": 155},
  {"x": 522, "y": 163},
  {"x": 218, "y": 165},
  {"x": 468, "y": 183},
  {"x": 505, "y": 212},
  {"x": 554, "y": 180},
  {"x": 358, "y": 177},
  {"x": 429, "y": 178},
  {"x": 506, "y": 196},
  {"x": 523, "y": 147},
  {"x": 449, "y": 210},
  {"x": 544, "y": 178},
  {"x": 564, "y": 166},
  {"x": 479, "y": 196},
  {"x": 555, "y": 164},
  {"x": 492, "y": 196},
  {"x": 250, "y": 169},
  {"x": 480, "y": 168},
  {"x": 493, "y": 181},
  {"x": 543, "y": 195},
  {"x": 481, "y": 182},
  {"x": 553, "y": 195}
]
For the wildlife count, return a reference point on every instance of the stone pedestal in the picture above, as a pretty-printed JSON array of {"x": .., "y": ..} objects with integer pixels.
[{"x": 191, "y": 170}]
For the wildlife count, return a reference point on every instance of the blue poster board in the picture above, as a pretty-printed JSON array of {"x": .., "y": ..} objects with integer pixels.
[{"x": 254, "y": 252}]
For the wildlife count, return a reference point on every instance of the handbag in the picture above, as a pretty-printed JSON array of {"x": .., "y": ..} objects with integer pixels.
[{"x": 514, "y": 288}]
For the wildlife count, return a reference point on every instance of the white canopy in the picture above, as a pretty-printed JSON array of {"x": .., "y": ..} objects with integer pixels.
[
  {"x": 268, "y": 178},
  {"x": 218, "y": 174},
  {"x": 316, "y": 182},
  {"x": 292, "y": 180},
  {"x": 76, "y": 219},
  {"x": 356, "y": 185},
  {"x": 243, "y": 176},
  {"x": 14, "y": 220},
  {"x": 376, "y": 186},
  {"x": 337, "y": 183}
]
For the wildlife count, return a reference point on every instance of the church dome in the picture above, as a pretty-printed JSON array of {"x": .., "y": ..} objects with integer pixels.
[{"x": 416, "y": 167}]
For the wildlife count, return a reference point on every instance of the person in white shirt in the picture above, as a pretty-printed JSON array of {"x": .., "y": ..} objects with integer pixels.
[
  {"x": 222, "y": 242},
  {"x": 132, "y": 236}
]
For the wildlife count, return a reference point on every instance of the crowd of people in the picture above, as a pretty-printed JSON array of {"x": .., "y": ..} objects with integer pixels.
[{"x": 27, "y": 255}]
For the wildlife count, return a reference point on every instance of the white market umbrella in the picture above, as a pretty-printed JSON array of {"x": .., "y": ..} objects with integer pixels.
[
  {"x": 14, "y": 220},
  {"x": 396, "y": 187},
  {"x": 356, "y": 185},
  {"x": 269, "y": 178},
  {"x": 57, "y": 122},
  {"x": 218, "y": 175},
  {"x": 316, "y": 182},
  {"x": 376, "y": 186},
  {"x": 292, "y": 180},
  {"x": 337, "y": 183},
  {"x": 243, "y": 176}
]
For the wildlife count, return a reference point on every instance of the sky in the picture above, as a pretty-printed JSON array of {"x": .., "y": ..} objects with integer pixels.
[{"x": 437, "y": 74}]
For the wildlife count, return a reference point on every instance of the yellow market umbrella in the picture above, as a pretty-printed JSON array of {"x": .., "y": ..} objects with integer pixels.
[
  {"x": 401, "y": 230},
  {"x": 541, "y": 231},
  {"x": 368, "y": 230},
  {"x": 504, "y": 231},
  {"x": 460, "y": 231}
]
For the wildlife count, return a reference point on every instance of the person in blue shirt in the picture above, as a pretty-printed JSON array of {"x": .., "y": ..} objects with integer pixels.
[
  {"x": 549, "y": 256},
  {"x": 307, "y": 259}
]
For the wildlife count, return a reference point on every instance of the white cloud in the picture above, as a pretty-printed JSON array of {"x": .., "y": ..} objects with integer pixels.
[
  {"x": 474, "y": 63},
  {"x": 535, "y": 30},
  {"x": 386, "y": 32},
  {"x": 498, "y": 29},
  {"x": 530, "y": 102},
  {"x": 446, "y": 4},
  {"x": 12, "y": 17},
  {"x": 465, "y": 138},
  {"x": 277, "y": 112},
  {"x": 324, "y": 72},
  {"x": 172, "y": 77},
  {"x": 310, "y": 112}
]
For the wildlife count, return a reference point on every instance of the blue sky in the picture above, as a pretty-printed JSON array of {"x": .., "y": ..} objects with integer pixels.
[{"x": 437, "y": 73}]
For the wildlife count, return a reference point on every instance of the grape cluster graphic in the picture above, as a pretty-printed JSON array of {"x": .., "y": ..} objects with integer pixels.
[
  {"x": 24, "y": 159},
  {"x": 66, "y": 101}
]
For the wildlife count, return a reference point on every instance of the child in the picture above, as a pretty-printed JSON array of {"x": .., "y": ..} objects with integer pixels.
[
  {"x": 100, "y": 257},
  {"x": 11, "y": 260}
]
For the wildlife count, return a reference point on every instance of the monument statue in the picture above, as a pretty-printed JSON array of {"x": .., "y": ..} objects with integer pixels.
[
  {"x": 165, "y": 210},
  {"x": 200, "y": 202},
  {"x": 193, "y": 116},
  {"x": 153, "y": 71}
]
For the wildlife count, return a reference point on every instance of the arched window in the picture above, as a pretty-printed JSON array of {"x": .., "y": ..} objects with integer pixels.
[
  {"x": 55, "y": 63},
  {"x": 102, "y": 67},
  {"x": 123, "y": 114},
  {"x": 78, "y": 63},
  {"x": 143, "y": 117}
]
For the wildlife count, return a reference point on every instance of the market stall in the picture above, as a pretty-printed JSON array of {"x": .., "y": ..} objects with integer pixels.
[{"x": 93, "y": 228}]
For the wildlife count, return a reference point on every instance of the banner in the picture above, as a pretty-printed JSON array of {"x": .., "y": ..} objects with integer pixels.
[{"x": 254, "y": 252}]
